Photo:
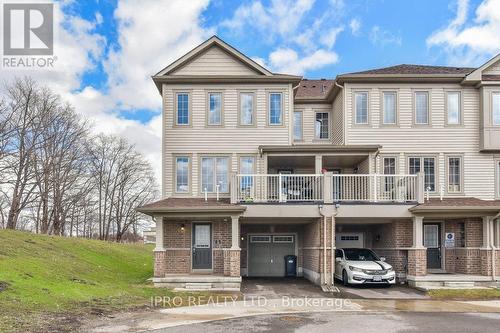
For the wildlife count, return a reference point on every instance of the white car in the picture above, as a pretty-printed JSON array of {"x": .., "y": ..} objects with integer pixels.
[{"x": 362, "y": 266}]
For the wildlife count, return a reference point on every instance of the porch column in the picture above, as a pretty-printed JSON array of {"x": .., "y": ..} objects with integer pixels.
[
  {"x": 487, "y": 232},
  {"x": 417, "y": 255},
  {"x": 232, "y": 255},
  {"x": 235, "y": 232},
  {"x": 418, "y": 236},
  {"x": 486, "y": 257},
  {"x": 160, "y": 240},
  {"x": 318, "y": 164}
]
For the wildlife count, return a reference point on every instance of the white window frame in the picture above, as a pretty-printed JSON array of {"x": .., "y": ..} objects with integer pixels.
[
  {"x": 415, "y": 115},
  {"x": 493, "y": 94},
  {"x": 282, "y": 113},
  {"x": 395, "y": 93},
  {"x": 221, "y": 108},
  {"x": 422, "y": 168},
  {"x": 176, "y": 157},
  {"x": 240, "y": 109},
  {"x": 283, "y": 239},
  {"x": 367, "y": 94},
  {"x": 317, "y": 136},
  {"x": 301, "y": 126},
  {"x": 460, "y": 116},
  {"x": 214, "y": 165},
  {"x": 176, "y": 107},
  {"x": 461, "y": 174},
  {"x": 497, "y": 180},
  {"x": 260, "y": 239}
]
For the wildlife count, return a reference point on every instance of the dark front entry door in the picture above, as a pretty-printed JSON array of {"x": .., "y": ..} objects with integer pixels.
[
  {"x": 432, "y": 240},
  {"x": 202, "y": 246}
]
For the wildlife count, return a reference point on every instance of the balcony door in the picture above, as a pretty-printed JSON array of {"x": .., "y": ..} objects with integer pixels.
[{"x": 432, "y": 241}]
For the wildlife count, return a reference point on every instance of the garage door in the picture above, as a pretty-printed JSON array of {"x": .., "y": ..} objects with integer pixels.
[
  {"x": 349, "y": 239},
  {"x": 266, "y": 254}
]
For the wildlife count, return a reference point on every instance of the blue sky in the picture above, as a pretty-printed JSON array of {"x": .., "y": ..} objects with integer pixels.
[{"x": 107, "y": 50}]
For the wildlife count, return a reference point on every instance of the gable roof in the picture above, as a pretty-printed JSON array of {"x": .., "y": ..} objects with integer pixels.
[
  {"x": 212, "y": 41},
  {"x": 477, "y": 74}
]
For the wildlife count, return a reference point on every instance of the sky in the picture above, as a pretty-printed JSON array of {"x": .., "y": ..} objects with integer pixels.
[{"x": 107, "y": 50}]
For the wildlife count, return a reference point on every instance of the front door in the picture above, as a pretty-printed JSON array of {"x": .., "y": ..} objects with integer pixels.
[
  {"x": 432, "y": 241},
  {"x": 202, "y": 246}
]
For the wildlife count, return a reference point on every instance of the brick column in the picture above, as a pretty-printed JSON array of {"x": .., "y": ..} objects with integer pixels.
[
  {"x": 417, "y": 262},
  {"x": 160, "y": 255},
  {"x": 232, "y": 262}
]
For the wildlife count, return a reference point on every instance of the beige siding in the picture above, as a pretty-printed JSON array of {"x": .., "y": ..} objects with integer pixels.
[
  {"x": 214, "y": 62},
  {"x": 493, "y": 69},
  {"x": 309, "y": 120},
  {"x": 231, "y": 139},
  {"x": 338, "y": 120},
  {"x": 436, "y": 139}
]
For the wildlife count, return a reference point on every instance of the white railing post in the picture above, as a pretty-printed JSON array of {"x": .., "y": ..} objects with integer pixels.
[
  {"x": 233, "y": 185},
  {"x": 420, "y": 188},
  {"x": 280, "y": 188},
  {"x": 328, "y": 188},
  {"x": 375, "y": 188}
]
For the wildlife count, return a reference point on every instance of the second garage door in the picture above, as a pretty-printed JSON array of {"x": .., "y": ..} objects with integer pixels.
[{"x": 266, "y": 254}]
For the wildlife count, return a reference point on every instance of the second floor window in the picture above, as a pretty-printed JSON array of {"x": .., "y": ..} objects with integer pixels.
[
  {"x": 389, "y": 164},
  {"x": 454, "y": 174},
  {"x": 275, "y": 109},
  {"x": 389, "y": 107},
  {"x": 247, "y": 109},
  {"x": 429, "y": 168},
  {"x": 247, "y": 167},
  {"x": 214, "y": 108},
  {"x": 182, "y": 174},
  {"x": 421, "y": 108},
  {"x": 182, "y": 109},
  {"x": 322, "y": 125},
  {"x": 498, "y": 178},
  {"x": 361, "y": 107},
  {"x": 297, "y": 126},
  {"x": 453, "y": 107},
  {"x": 495, "y": 107},
  {"x": 214, "y": 171}
]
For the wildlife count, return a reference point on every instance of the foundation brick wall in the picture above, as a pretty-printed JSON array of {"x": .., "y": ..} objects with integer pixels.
[
  {"x": 313, "y": 245},
  {"x": 417, "y": 262},
  {"x": 160, "y": 263},
  {"x": 486, "y": 263},
  {"x": 231, "y": 262}
]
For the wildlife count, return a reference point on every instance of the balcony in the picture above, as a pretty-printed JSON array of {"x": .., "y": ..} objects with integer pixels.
[{"x": 326, "y": 188}]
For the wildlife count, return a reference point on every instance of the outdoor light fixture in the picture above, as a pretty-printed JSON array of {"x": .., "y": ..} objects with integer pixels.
[{"x": 182, "y": 227}]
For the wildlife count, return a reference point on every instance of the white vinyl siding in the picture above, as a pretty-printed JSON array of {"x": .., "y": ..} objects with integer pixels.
[
  {"x": 454, "y": 174},
  {"x": 297, "y": 126},
  {"x": 496, "y": 108},
  {"x": 453, "y": 107},
  {"x": 389, "y": 108},
  {"x": 421, "y": 107},
  {"x": 182, "y": 174},
  {"x": 247, "y": 109},
  {"x": 214, "y": 171},
  {"x": 361, "y": 106},
  {"x": 214, "y": 109},
  {"x": 321, "y": 125},
  {"x": 275, "y": 109}
]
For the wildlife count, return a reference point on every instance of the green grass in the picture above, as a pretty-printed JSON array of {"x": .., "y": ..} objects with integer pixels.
[
  {"x": 42, "y": 275},
  {"x": 467, "y": 294}
]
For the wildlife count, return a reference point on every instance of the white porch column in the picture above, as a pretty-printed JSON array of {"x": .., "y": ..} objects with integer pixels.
[
  {"x": 318, "y": 164},
  {"x": 497, "y": 244},
  {"x": 487, "y": 232},
  {"x": 418, "y": 232},
  {"x": 160, "y": 240},
  {"x": 235, "y": 233}
]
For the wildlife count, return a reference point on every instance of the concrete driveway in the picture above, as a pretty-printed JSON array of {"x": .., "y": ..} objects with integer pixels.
[{"x": 272, "y": 288}]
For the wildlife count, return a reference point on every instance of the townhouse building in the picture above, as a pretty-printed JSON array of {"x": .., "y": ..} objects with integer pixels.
[{"x": 257, "y": 165}]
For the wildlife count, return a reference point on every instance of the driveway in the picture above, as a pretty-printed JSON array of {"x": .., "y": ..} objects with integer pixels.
[{"x": 272, "y": 288}]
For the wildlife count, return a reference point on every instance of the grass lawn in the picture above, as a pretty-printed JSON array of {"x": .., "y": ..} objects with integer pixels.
[
  {"x": 467, "y": 294},
  {"x": 45, "y": 280}
]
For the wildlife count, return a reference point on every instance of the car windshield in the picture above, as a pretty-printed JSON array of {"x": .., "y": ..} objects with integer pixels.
[{"x": 360, "y": 255}]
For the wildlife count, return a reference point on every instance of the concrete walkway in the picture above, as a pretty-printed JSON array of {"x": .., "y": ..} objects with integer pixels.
[{"x": 164, "y": 318}]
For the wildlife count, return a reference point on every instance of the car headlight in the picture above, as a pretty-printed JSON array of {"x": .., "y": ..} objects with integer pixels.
[
  {"x": 355, "y": 269},
  {"x": 390, "y": 269}
]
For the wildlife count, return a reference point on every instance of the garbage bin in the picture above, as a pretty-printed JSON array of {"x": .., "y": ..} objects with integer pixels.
[{"x": 290, "y": 265}]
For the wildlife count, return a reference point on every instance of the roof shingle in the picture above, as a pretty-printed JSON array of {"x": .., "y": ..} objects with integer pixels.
[
  {"x": 313, "y": 88},
  {"x": 417, "y": 69}
]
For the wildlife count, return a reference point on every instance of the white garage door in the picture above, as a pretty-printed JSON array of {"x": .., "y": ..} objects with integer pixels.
[{"x": 349, "y": 239}]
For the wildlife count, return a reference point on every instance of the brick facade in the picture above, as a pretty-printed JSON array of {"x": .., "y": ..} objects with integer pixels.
[{"x": 417, "y": 262}]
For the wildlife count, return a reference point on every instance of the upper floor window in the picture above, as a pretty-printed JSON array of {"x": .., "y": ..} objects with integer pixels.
[
  {"x": 214, "y": 108},
  {"x": 182, "y": 174},
  {"x": 454, "y": 174},
  {"x": 421, "y": 108},
  {"x": 297, "y": 125},
  {"x": 182, "y": 104},
  {"x": 247, "y": 167},
  {"x": 429, "y": 168},
  {"x": 361, "y": 107},
  {"x": 389, "y": 165},
  {"x": 247, "y": 110},
  {"x": 498, "y": 178},
  {"x": 275, "y": 109},
  {"x": 214, "y": 171},
  {"x": 495, "y": 107},
  {"x": 453, "y": 107},
  {"x": 322, "y": 125},
  {"x": 390, "y": 100}
]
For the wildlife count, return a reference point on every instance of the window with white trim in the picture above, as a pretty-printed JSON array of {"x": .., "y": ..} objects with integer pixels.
[
  {"x": 429, "y": 168},
  {"x": 247, "y": 112},
  {"x": 498, "y": 178},
  {"x": 389, "y": 101},
  {"x": 260, "y": 239},
  {"x": 322, "y": 125},
  {"x": 283, "y": 239},
  {"x": 389, "y": 165},
  {"x": 361, "y": 107},
  {"x": 453, "y": 107},
  {"x": 275, "y": 109},
  {"x": 215, "y": 171},
  {"x": 297, "y": 125},
  {"x": 247, "y": 167},
  {"x": 454, "y": 174},
  {"x": 421, "y": 107},
  {"x": 182, "y": 108},
  {"x": 214, "y": 108},
  {"x": 495, "y": 107},
  {"x": 182, "y": 174}
]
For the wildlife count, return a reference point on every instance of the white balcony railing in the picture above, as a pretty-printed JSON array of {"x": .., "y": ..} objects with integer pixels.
[{"x": 267, "y": 188}]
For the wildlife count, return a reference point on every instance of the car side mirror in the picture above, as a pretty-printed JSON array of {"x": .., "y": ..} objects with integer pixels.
[
  {"x": 382, "y": 259},
  {"x": 338, "y": 259}
]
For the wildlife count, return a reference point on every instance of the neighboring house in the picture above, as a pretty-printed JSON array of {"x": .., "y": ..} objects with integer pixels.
[
  {"x": 258, "y": 165},
  {"x": 149, "y": 236}
]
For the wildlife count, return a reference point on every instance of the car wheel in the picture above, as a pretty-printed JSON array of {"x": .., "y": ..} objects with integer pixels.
[{"x": 345, "y": 278}]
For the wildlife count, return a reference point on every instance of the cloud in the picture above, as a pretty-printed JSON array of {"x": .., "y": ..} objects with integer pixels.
[
  {"x": 286, "y": 60},
  {"x": 470, "y": 42},
  {"x": 329, "y": 37},
  {"x": 355, "y": 26},
  {"x": 381, "y": 37}
]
